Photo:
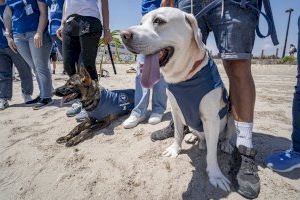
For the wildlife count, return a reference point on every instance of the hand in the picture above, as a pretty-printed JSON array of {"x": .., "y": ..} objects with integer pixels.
[
  {"x": 38, "y": 40},
  {"x": 59, "y": 32},
  {"x": 107, "y": 37},
  {"x": 12, "y": 45}
]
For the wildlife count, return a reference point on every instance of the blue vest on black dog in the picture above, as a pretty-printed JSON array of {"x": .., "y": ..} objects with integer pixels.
[
  {"x": 189, "y": 94},
  {"x": 113, "y": 102}
]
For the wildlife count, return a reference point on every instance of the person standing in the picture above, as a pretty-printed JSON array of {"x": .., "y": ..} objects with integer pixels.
[
  {"x": 80, "y": 32},
  {"x": 289, "y": 160},
  {"x": 26, "y": 33},
  {"x": 142, "y": 95},
  {"x": 55, "y": 16},
  {"x": 7, "y": 59}
]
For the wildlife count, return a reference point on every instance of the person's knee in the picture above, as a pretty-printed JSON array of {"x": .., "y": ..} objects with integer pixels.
[{"x": 238, "y": 70}]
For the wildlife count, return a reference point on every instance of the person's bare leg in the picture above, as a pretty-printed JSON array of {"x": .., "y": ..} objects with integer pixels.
[{"x": 242, "y": 97}]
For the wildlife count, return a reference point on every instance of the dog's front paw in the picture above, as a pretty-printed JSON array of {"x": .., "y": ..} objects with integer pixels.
[
  {"x": 172, "y": 151},
  {"x": 191, "y": 139},
  {"x": 217, "y": 179},
  {"x": 226, "y": 147}
]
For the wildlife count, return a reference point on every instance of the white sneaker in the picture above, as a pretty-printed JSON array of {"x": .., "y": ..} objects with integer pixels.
[
  {"x": 3, "y": 104},
  {"x": 80, "y": 117},
  {"x": 155, "y": 118},
  {"x": 133, "y": 120},
  {"x": 26, "y": 97}
]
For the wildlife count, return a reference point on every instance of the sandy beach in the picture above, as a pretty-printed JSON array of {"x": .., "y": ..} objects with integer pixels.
[{"x": 125, "y": 164}]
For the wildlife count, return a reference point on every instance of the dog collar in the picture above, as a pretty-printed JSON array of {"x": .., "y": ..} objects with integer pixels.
[{"x": 196, "y": 65}]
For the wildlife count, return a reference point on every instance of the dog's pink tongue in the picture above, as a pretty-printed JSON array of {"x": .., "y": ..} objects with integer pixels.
[{"x": 150, "y": 71}]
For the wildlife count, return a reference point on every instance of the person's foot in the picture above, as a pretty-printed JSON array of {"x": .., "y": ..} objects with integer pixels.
[
  {"x": 27, "y": 98},
  {"x": 133, "y": 120},
  {"x": 243, "y": 172},
  {"x": 155, "y": 118},
  {"x": 81, "y": 116},
  {"x": 3, "y": 104},
  {"x": 167, "y": 132},
  {"x": 284, "y": 161},
  {"x": 43, "y": 103},
  {"x": 33, "y": 101},
  {"x": 75, "y": 109}
]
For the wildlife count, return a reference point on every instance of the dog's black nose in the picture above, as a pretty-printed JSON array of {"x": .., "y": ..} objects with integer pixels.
[{"x": 126, "y": 35}]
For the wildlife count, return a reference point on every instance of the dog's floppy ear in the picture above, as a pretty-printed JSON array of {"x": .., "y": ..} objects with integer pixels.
[
  {"x": 191, "y": 20},
  {"x": 85, "y": 76}
]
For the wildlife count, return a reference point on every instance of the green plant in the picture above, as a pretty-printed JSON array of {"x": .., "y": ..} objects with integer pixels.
[
  {"x": 115, "y": 40},
  {"x": 287, "y": 60}
]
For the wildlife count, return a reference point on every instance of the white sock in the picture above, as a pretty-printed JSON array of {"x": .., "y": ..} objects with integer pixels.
[{"x": 244, "y": 134}]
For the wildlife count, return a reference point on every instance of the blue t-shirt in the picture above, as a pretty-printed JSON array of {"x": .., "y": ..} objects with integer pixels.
[
  {"x": 3, "y": 41},
  {"x": 55, "y": 14},
  {"x": 21, "y": 22},
  {"x": 189, "y": 94},
  {"x": 149, "y": 5},
  {"x": 119, "y": 102}
]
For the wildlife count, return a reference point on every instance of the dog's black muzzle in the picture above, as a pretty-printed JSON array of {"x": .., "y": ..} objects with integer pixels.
[{"x": 63, "y": 91}]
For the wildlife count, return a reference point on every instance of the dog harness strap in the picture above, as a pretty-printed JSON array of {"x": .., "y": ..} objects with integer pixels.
[
  {"x": 113, "y": 102},
  {"x": 190, "y": 93}
]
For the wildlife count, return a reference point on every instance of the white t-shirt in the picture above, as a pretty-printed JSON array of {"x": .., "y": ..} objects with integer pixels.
[{"x": 91, "y": 8}]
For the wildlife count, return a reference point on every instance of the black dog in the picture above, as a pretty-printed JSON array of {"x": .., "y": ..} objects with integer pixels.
[{"x": 102, "y": 106}]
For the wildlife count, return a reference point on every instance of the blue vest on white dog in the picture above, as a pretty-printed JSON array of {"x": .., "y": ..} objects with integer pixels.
[
  {"x": 189, "y": 94},
  {"x": 113, "y": 102}
]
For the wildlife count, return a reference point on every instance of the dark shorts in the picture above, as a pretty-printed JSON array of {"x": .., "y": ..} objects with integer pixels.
[
  {"x": 234, "y": 33},
  {"x": 53, "y": 57}
]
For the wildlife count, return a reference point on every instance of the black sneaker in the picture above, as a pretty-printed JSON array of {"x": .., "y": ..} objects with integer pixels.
[
  {"x": 167, "y": 132},
  {"x": 43, "y": 103},
  {"x": 34, "y": 101},
  {"x": 243, "y": 172}
]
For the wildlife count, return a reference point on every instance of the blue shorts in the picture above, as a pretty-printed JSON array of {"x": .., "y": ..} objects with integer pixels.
[{"x": 234, "y": 33}]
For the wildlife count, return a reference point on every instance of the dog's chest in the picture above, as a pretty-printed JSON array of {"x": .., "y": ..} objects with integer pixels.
[{"x": 189, "y": 94}]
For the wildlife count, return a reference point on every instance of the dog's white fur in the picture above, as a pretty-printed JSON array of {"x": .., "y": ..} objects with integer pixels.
[{"x": 180, "y": 31}]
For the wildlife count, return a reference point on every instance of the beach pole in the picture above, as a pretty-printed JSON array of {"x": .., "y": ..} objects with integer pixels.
[{"x": 111, "y": 58}]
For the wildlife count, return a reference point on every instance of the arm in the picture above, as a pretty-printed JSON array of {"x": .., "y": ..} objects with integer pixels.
[
  {"x": 63, "y": 21},
  {"x": 105, "y": 13},
  {"x": 43, "y": 21},
  {"x": 8, "y": 29}
]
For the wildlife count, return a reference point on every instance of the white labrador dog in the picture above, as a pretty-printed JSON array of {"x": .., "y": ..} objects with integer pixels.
[{"x": 171, "y": 39}]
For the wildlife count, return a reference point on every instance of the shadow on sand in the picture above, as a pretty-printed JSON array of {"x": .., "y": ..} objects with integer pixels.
[
  {"x": 199, "y": 186},
  {"x": 56, "y": 103}
]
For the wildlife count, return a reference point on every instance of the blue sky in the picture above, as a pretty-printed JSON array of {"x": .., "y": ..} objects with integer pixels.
[{"x": 124, "y": 13}]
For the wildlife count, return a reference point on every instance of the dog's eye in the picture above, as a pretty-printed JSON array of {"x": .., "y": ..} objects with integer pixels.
[{"x": 159, "y": 21}]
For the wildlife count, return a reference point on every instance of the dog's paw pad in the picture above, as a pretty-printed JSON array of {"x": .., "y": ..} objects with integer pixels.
[
  {"x": 172, "y": 151},
  {"x": 220, "y": 181}
]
